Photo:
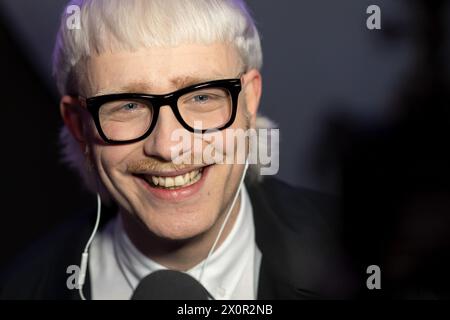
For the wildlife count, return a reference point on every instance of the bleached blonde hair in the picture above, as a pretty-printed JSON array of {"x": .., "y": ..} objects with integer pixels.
[
  {"x": 117, "y": 25},
  {"x": 129, "y": 25}
]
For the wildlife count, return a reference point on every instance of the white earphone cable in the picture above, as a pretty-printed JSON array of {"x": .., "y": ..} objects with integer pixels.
[
  {"x": 85, "y": 254},
  {"x": 202, "y": 270}
]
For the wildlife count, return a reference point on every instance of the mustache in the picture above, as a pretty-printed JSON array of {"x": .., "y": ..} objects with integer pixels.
[{"x": 146, "y": 165}]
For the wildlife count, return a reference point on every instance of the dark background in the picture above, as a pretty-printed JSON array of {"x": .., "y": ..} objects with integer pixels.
[{"x": 362, "y": 113}]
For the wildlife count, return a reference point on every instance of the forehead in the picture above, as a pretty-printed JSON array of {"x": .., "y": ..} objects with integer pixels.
[{"x": 162, "y": 69}]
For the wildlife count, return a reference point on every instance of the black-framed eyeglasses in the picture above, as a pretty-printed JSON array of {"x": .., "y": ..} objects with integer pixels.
[{"x": 131, "y": 117}]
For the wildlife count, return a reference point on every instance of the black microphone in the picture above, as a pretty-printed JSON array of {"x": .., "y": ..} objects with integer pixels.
[{"x": 170, "y": 285}]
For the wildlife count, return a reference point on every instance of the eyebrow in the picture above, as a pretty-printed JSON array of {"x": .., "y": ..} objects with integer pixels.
[{"x": 146, "y": 86}]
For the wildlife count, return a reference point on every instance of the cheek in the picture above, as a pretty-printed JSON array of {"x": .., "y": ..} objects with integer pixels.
[
  {"x": 224, "y": 181},
  {"x": 111, "y": 166},
  {"x": 111, "y": 159}
]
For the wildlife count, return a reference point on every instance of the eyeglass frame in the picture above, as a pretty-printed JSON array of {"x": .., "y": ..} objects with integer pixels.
[{"x": 157, "y": 101}]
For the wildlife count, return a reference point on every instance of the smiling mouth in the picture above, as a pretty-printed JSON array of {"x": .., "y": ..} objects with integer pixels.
[{"x": 175, "y": 182}]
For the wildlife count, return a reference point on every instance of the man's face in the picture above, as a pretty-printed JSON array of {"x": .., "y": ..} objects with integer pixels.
[{"x": 179, "y": 213}]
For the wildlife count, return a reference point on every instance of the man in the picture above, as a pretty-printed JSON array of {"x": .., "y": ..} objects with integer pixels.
[{"x": 134, "y": 73}]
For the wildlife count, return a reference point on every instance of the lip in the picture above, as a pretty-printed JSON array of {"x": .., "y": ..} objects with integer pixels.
[{"x": 176, "y": 195}]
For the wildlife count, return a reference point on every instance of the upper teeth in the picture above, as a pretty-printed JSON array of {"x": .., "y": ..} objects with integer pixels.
[{"x": 177, "y": 181}]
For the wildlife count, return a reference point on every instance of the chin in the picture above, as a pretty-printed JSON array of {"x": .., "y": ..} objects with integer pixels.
[{"x": 179, "y": 228}]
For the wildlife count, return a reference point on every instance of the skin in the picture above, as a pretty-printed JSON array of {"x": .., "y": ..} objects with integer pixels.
[{"x": 176, "y": 234}]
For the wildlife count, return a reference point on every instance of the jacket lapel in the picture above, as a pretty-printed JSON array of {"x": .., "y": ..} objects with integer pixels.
[{"x": 292, "y": 264}]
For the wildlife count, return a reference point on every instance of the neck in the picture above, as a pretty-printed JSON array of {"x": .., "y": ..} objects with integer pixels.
[{"x": 180, "y": 255}]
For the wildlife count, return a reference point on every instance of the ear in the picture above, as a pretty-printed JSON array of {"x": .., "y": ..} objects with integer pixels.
[
  {"x": 72, "y": 114},
  {"x": 252, "y": 82}
]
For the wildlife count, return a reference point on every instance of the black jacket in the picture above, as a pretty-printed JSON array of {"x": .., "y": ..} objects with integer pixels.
[{"x": 296, "y": 231}]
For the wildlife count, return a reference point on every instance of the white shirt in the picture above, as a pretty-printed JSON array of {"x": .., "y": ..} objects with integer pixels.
[{"x": 116, "y": 266}]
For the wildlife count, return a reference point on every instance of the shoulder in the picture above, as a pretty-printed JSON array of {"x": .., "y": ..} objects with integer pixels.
[
  {"x": 40, "y": 271},
  {"x": 297, "y": 206},
  {"x": 298, "y": 232}
]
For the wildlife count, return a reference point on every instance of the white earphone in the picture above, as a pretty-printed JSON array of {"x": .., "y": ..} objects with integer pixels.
[{"x": 85, "y": 254}]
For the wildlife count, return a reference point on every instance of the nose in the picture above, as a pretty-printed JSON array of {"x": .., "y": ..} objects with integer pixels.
[{"x": 160, "y": 142}]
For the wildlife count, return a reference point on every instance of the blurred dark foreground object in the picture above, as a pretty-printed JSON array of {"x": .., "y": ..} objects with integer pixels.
[{"x": 396, "y": 174}]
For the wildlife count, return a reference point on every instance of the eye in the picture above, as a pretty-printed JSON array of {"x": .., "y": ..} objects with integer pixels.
[
  {"x": 130, "y": 106},
  {"x": 201, "y": 98}
]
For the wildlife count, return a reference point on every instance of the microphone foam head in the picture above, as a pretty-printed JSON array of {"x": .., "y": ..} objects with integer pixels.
[{"x": 169, "y": 285}]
